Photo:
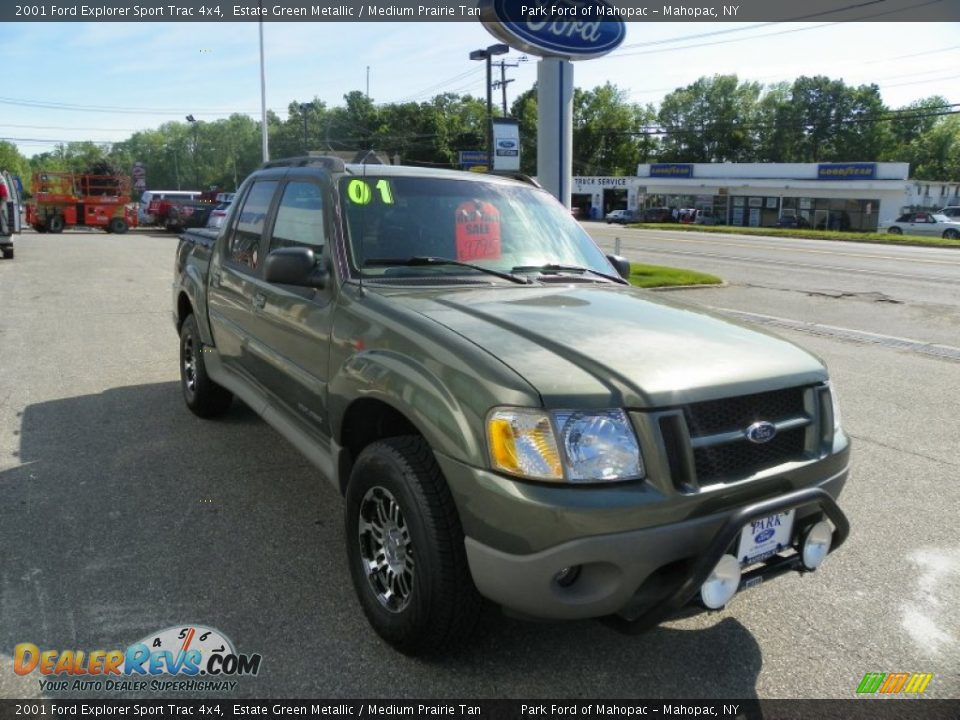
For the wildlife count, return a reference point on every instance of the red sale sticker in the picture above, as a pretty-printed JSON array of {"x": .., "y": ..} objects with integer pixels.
[{"x": 478, "y": 231}]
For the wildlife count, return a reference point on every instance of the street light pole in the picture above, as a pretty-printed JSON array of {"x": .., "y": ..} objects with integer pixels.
[
  {"x": 263, "y": 98},
  {"x": 487, "y": 55},
  {"x": 196, "y": 167}
]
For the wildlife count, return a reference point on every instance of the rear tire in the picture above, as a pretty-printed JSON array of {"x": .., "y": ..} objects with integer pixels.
[
  {"x": 55, "y": 224},
  {"x": 118, "y": 226},
  {"x": 203, "y": 396},
  {"x": 8, "y": 253},
  {"x": 405, "y": 548},
  {"x": 895, "y": 231}
]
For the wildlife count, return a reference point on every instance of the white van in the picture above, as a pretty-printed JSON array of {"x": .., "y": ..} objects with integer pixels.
[
  {"x": 143, "y": 213},
  {"x": 11, "y": 220}
]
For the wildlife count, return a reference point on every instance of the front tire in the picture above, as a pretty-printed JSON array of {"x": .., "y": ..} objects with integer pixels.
[
  {"x": 8, "y": 253},
  {"x": 203, "y": 396},
  {"x": 55, "y": 224},
  {"x": 405, "y": 548},
  {"x": 951, "y": 234},
  {"x": 118, "y": 226}
]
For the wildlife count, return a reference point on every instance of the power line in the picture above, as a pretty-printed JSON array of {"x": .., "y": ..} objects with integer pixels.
[{"x": 779, "y": 32}]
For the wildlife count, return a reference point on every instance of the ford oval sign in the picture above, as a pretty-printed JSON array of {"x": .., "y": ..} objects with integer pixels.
[
  {"x": 761, "y": 432},
  {"x": 571, "y": 29},
  {"x": 764, "y": 535}
]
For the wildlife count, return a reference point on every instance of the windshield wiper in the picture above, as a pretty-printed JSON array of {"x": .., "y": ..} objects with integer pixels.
[
  {"x": 426, "y": 260},
  {"x": 556, "y": 268}
]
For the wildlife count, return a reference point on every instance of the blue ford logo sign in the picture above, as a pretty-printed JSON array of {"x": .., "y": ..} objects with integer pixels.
[
  {"x": 572, "y": 29},
  {"x": 761, "y": 432},
  {"x": 763, "y": 535},
  {"x": 506, "y": 144}
]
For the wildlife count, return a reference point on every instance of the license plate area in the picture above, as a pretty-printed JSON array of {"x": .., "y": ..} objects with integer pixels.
[{"x": 765, "y": 536}]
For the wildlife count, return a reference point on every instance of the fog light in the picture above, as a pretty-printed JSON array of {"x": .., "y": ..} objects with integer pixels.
[
  {"x": 722, "y": 583},
  {"x": 568, "y": 576},
  {"x": 817, "y": 544}
]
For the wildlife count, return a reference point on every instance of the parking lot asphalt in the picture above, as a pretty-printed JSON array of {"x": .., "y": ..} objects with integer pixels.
[{"x": 122, "y": 514}]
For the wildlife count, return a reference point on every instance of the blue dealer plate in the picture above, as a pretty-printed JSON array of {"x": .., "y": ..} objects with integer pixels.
[{"x": 764, "y": 537}]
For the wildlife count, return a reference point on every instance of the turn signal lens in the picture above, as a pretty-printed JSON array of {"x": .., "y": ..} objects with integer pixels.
[{"x": 522, "y": 443}]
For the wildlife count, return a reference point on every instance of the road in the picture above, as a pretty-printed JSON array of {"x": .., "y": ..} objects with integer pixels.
[
  {"x": 903, "y": 291},
  {"x": 123, "y": 514}
]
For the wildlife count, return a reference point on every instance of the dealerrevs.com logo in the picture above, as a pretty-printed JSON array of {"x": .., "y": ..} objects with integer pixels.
[{"x": 184, "y": 657}]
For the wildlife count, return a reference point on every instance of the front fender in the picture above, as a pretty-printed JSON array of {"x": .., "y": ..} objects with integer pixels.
[{"x": 446, "y": 423}]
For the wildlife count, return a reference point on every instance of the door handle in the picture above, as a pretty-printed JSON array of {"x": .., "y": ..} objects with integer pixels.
[
  {"x": 215, "y": 278},
  {"x": 259, "y": 300}
]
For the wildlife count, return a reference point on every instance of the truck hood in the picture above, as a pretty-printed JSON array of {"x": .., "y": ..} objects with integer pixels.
[{"x": 610, "y": 346}]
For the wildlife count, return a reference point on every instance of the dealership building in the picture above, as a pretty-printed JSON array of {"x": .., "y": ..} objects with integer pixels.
[{"x": 834, "y": 196}]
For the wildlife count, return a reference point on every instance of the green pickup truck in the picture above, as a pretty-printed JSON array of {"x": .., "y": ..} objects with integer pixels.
[{"x": 504, "y": 415}]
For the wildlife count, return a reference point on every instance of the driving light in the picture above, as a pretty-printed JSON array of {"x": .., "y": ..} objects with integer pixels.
[
  {"x": 817, "y": 544},
  {"x": 522, "y": 443},
  {"x": 722, "y": 583}
]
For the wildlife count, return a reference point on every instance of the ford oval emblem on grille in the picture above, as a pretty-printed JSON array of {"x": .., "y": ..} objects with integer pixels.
[{"x": 761, "y": 432}]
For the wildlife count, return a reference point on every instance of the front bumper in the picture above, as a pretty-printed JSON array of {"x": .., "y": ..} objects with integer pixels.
[{"x": 645, "y": 574}]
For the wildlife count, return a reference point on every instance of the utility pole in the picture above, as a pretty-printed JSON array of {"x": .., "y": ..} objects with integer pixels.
[
  {"x": 503, "y": 82},
  {"x": 486, "y": 55},
  {"x": 303, "y": 112}
]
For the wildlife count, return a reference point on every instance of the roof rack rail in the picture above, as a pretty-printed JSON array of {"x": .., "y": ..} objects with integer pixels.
[
  {"x": 515, "y": 175},
  {"x": 331, "y": 163}
]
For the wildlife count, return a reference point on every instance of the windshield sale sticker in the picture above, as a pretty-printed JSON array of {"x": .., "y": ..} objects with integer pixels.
[{"x": 478, "y": 231}]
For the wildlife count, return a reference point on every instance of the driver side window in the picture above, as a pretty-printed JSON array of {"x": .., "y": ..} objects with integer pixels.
[
  {"x": 299, "y": 220},
  {"x": 245, "y": 244}
]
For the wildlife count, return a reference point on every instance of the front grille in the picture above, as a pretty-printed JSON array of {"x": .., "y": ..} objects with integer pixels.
[
  {"x": 705, "y": 442},
  {"x": 742, "y": 458},
  {"x": 738, "y": 413}
]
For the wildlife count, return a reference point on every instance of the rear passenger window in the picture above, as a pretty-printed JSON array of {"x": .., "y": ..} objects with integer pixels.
[
  {"x": 299, "y": 220},
  {"x": 245, "y": 244}
]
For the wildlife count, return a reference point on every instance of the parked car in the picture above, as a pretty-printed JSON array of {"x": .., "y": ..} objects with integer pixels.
[
  {"x": 11, "y": 219},
  {"x": 154, "y": 204},
  {"x": 621, "y": 217},
  {"x": 951, "y": 211},
  {"x": 219, "y": 213},
  {"x": 503, "y": 414},
  {"x": 792, "y": 221},
  {"x": 923, "y": 223},
  {"x": 705, "y": 216},
  {"x": 658, "y": 214}
]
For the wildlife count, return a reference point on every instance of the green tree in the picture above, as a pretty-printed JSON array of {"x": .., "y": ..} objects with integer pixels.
[
  {"x": 935, "y": 155},
  {"x": 711, "y": 120}
]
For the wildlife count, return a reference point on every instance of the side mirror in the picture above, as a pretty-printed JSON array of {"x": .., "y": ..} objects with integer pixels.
[
  {"x": 621, "y": 265},
  {"x": 294, "y": 266}
]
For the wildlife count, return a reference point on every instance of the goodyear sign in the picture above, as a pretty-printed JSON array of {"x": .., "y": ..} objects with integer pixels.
[
  {"x": 676, "y": 170},
  {"x": 846, "y": 171}
]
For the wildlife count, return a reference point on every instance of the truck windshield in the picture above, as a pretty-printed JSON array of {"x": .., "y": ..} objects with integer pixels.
[{"x": 502, "y": 227}]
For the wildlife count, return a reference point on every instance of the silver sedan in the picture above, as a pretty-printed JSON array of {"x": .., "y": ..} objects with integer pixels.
[{"x": 923, "y": 223}]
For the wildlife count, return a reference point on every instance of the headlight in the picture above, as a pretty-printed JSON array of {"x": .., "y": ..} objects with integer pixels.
[{"x": 577, "y": 446}]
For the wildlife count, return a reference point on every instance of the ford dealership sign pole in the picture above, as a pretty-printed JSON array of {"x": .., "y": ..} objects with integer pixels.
[{"x": 558, "y": 31}]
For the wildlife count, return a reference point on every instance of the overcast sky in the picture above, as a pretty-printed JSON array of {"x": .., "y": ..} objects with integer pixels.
[{"x": 104, "y": 81}]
